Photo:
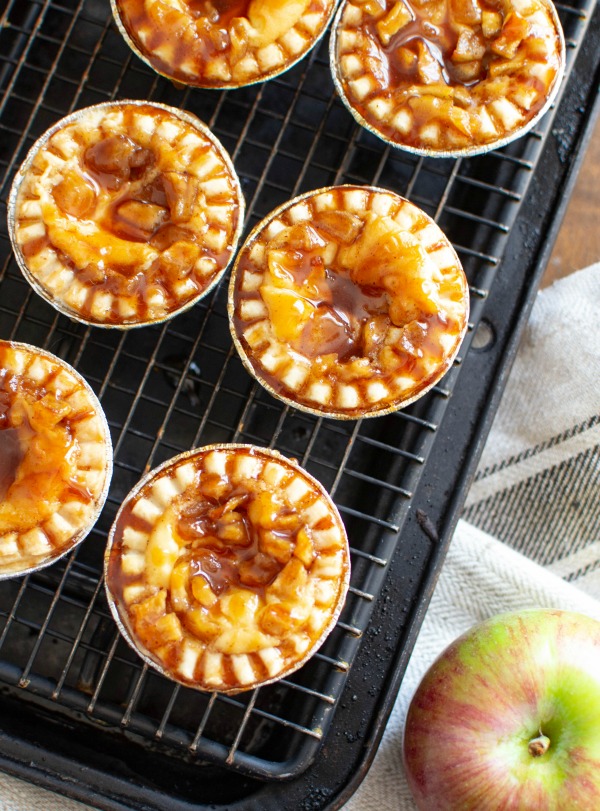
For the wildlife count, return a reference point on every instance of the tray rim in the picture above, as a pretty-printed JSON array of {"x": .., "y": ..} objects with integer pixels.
[{"x": 40, "y": 772}]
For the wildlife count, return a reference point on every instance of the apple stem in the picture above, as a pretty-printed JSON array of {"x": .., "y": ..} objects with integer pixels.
[{"x": 539, "y": 746}]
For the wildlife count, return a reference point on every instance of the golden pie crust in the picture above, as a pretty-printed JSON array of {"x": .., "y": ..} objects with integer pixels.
[
  {"x": 222, "y": 43},
  {"x": 348, "y": 302},
  {"x": 443, "y": 77},
  {"x": 55, "y": 458},
  {"x": 125, "y": 214},
  {"x": 227, "y": 567}
]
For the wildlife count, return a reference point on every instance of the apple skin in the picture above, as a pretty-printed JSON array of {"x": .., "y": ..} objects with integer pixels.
[{"x": 493, "y": 690}]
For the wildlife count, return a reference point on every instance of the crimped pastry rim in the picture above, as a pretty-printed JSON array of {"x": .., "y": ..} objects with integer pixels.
[
  {"x": 121, "y": 621},
  {"x": 464, "y": 152},
  {"x": 273, "y": 74},
  {"x": 100, "y": 500},
  {"x": 40, "y": 143},
  {"x": 300, "y": 406}
]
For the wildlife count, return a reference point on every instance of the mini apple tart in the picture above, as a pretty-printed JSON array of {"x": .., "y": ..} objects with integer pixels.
[
  {"x": 448, "y": 77},
  {"x": 348, "y": 302},
  {"x": 227, "y": 567},
  {"x": 55, "y": 458},
  {"x": 222, "y": 43},
  {"x": 125, "y": 214}
]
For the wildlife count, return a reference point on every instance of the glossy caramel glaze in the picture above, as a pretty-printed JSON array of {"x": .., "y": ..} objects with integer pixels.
[
  {"x": 450, "y": 74},
  {"x": 54, "y": 458},
  {"x": 127, "y": 214},
  {"x": 227, "y": 567},
  {"x": 224, "y": 43},
  {"x": 348, "y": 301}
]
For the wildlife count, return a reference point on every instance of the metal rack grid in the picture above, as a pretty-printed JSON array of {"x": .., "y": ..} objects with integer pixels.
[{"x": 180, "y": 385}]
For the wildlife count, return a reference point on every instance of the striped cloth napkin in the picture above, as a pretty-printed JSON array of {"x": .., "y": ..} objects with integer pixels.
[{"x": 530, "y": 534}]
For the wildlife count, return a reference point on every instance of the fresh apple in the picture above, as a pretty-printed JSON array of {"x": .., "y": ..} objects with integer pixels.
[{"x": 508, "y": 718}]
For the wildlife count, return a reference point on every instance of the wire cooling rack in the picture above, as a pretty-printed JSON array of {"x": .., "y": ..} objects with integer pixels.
[{"x": 179, "y": 385}]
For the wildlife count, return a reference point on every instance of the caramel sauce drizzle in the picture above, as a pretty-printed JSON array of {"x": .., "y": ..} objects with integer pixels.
[
  {"x": 337, "y": 328},
  {"x": 120, "y": 185},
  {"x": 36, "y": 446},
  {"x": 438, "y": 42}
]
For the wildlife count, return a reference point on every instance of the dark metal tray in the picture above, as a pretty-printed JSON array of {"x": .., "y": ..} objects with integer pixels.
[{"x": 80, "y": 713}]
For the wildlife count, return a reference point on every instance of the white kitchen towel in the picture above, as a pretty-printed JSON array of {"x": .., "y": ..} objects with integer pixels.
[
  {"x": 480, "y": 577},
  {"x": 537, "y": 490}
]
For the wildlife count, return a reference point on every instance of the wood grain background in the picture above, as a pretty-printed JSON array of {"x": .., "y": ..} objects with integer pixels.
[{"x": 578, "y": 241}]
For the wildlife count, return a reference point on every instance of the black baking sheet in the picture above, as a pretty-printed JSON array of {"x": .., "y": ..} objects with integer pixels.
[{"x": 79, "y": 712}]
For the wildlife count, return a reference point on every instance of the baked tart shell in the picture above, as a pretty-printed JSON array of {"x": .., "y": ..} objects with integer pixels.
[
  {"x": 234, "y": 637},
  {"x": 396, "y": 139},
  {"x": 220, "y": 163},
  {"x": 290, "y": 43},
  {"x": 371, "y": 405},
  {"x": 61, "y": 390}
]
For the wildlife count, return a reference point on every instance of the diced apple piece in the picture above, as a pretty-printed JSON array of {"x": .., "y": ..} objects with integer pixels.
[
  {"x": 469, "y": 47},
  {"x": 201, "y": 625},
  {"x": 275, "y": 620},
  {"x": 467, "y": 71},
  {"x": 168, "y": 629},
  {"x": 202, "y": 591},
  {"x": 178, "y": 585},
  {"x": 507, "y": 113},
  {"x": 342, "y": 225},
  {"x": 438, "y": 89},
  {"x": 181, "y": 190},
  {"x": 429, "y": 68},
  {"x": 461, "y": 120},
  {"x": 275, "y": 546},
  {"x": 288, "y": 311},
  {"x": 150, "y": 609},
  {"x": 319, "y": 392},
  {"x": 403, "y": 122},
  {"x": 525, "y": 97},
  {"x": 290, "y": 580},
  {"x": 242, "y": 668},
  {"x": 491, "y": 23},
  {"x": 74, "y": 196},
  {"x": 514, "y": 31},
  {"x": 137, "y": 220},
  {"x": 110, "y": 156},
  {"x": 258, "y": 571},
  {"x": 465, "y": 12},
  {"x": 304, "y": 550},
  {"x": 179, "y": 260},
  {"x": 537, "y": 48},
  {"x": 240, "y": 605},
  {"x": 399, "y": 16},
  {"x": 362, "y": 87},
  {"x": 264, "y": 510},
  {"x": 485, "y": 125},
  {"x": 239, "y": 39},
  {"x": 406, "y": 59},
  {"x": 373, "y": 7},
  {"x": 272, "y": 18}
]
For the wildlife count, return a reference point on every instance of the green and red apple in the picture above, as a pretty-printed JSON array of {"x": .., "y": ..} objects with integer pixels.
[{"x": 508, "y": 718}]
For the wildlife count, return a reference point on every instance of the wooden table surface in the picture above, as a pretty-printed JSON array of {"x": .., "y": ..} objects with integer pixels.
[{"x": 578, "y": 241}]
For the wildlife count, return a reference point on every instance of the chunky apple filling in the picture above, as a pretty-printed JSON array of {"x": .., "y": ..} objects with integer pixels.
[
  {"x": 55, "y": 458},
  {"x": 349, "y": 301},
  {"x": 448, "y": 75},
  {"x": 126, "y": 214},
  {"x": 227, "y": 567},
  {"x": 222, "y": 43}
]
